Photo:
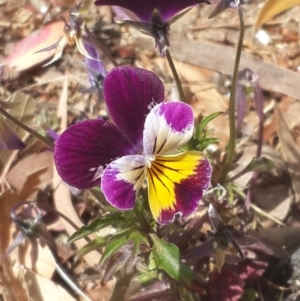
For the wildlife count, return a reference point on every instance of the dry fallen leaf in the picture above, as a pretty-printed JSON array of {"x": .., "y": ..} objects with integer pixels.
[
  {"x": 291, "y": 153},
  {"x": 23, "y": 56},
  {"x": 11, "y": 285},
  {"x": 275, "y": 200},
  {"x": 43, "y": 289},
  {"x": 221, "y": 59},
  {"x": 31, "y": 174},
  {"x": 270, "y": 9}
]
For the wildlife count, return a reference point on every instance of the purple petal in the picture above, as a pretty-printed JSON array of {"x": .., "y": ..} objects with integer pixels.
[
  {"x": 144, "y": 9},
  {"x": 122, "y": 14},
  {"x": 167, "y": 127},
  {"x": 96, "y": 66},
  {"x": 85, "y": 149},
  {"x": 122, "y": 179},
  {"x": 130, "y": 93}
]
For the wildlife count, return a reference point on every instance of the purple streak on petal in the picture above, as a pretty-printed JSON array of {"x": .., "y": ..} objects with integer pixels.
[
  {"x": 8, "y": 139},
  {"x": 130, "y": 93},
  {"x": 144, "y": 9},
  {"x": 167, "y": 127},
  {"x": 122, "y": 179},
  {"x": 189, "y": 193},
  {"x": 87, "y": 147}
]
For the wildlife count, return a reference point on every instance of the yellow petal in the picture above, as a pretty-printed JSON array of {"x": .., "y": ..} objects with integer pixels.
[{"x": 176, "y": 184}]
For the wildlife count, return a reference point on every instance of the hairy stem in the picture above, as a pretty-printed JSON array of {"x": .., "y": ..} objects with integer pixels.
[{"x": 232, "y": 126}]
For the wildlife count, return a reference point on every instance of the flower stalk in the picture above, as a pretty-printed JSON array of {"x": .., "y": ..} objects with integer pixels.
[
  {"x": 232, "y": 125},
  {"x": 175, "y": 75}
]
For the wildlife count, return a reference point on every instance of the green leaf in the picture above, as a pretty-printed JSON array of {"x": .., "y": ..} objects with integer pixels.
[
  {"x": 94, "y": 226},
  {"x": 112, "y": 219},
  {"x": 122, "y": 238},
  {"x": 167, "y": 257},
  {"x": 205, "y": 142},
  {"x": 138, "y": 239},
  {"x": 204, "y": 122},
  {"x": 250, "y": 294},
  {"x": 92, "y": 245},
  {"x": 117, "y": 241}
]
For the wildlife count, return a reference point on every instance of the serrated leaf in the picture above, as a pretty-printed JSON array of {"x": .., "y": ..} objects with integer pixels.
[
  {"x": 272, "y": 8},
  {"x": 92, "y": 245},
  {"x": 204, "y": 122},
  {"x": 95, "y": 225},
  {"x": 167, "y": 257}
]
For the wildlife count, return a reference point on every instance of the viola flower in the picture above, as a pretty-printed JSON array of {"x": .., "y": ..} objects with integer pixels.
[
  {"x": 154, "y": 15},
  {"x": 139, "y": 147}
]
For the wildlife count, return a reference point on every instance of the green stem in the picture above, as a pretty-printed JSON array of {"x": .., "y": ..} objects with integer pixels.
[
  {"x": 26, "y": 128},
  {"x": 175, "y": 75},
  {"x": 232, "y": 126}
]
